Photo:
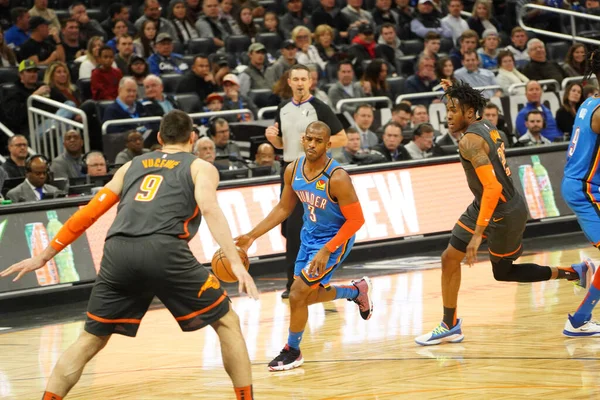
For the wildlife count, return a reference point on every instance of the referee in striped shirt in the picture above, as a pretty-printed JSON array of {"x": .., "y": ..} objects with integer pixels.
[{"x": 291, "y": 120}]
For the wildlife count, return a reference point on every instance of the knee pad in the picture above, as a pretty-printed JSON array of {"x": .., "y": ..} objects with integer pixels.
[{"x": 501, "y": 269}]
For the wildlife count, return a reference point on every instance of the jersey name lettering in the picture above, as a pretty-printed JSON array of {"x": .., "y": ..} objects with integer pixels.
[
  {"x": 160, "y": 163},
  {"x": 310, "y": 198}
]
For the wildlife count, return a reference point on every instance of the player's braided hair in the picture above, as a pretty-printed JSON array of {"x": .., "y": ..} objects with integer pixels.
[
  {"x": 467, "y": 96},
  {"x": 593, "y": 66}
]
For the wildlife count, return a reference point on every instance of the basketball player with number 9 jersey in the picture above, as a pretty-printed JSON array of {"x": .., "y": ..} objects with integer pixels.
[{"x": 146, "y": 254}]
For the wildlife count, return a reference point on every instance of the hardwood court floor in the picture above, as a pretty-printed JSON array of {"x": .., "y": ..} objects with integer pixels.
[{"x": 513, "y": 348}]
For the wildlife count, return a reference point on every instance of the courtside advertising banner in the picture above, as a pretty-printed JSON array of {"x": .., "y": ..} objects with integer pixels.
[{"x": 399, "y": 203}]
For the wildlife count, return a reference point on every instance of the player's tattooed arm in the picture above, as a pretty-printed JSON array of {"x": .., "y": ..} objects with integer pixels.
[{"x": 475, "y": 149}]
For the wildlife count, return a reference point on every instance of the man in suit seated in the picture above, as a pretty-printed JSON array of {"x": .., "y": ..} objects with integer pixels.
[
  {"x": 34, "y": 186},
  {"x": 391, "y": 148},
  {"x": 265, "y": 156},
  {"x": 363, "y": 120}
]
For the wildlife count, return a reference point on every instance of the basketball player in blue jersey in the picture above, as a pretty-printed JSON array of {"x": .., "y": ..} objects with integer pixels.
[
  {"x": 498, "y": 213},
  {"x": 581, "y": 191},
  {"x": 332, "y": 216}
]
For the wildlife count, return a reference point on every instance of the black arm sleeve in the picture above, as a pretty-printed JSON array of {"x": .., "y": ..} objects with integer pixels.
[
  {"x": 278, "y": 118},
  {"x": 324, "y": 114}
]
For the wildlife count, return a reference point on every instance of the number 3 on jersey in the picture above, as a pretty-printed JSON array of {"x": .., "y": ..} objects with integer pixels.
[
  {"x": 312, "y": 216},
  {"x": 148, "y": 188}
]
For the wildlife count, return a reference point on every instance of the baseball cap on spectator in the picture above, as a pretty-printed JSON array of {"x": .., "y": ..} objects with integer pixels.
[
  {"x": 256, "y": 47},
  {"x": 220, "y": 59},
  {"x": 286, "y": 44},
  {"x": 489, "y": 32},
  {"x": 136, "y": 58},
  {"x": 163, "y": 36},
  {"x": 425, "y": 1},
  {"x": 212, "y": 97},
  {"x": 366, "y": 29},
  {"x": 36, "y": 21},
  {"x": 231, "y": 78},
  {"x": 27, "y": 65}
]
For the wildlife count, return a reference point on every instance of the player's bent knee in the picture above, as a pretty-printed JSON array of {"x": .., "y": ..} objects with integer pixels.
[
  {"x": 299, "y": 292},
  {"x": 229, "y": 320},
  {"x": 451, "y": 258},
  {"x": 298, "y": 297},
  {"x": 92, "y": 343}
]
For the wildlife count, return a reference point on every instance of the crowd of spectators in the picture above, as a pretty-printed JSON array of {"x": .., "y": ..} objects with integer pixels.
[{"x": 142, "y": 59}]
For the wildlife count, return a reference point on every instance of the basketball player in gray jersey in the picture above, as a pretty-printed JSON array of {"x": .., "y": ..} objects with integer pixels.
[
  {"x": 163, "y": 195},
  {"x": 498, "y": 213}
]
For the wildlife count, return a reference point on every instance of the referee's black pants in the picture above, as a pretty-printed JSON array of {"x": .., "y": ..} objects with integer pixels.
[{"x": 290, "y": 229}]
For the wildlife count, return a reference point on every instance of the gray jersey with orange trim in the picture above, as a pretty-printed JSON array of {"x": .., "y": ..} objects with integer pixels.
[
  {"x": 490, "y": 134},
  {"x": 158, "y": 197}
]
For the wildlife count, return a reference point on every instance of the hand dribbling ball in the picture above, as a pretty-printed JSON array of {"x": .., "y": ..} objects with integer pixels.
[{"x": 221, "y": 266}]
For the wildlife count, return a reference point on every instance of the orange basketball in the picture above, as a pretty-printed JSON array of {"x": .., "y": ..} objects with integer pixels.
[{"x": 221, "y": 266}]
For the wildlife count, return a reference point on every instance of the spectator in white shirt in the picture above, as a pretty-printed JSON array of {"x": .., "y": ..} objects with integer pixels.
[
  {"x": 454, "y": 21},
  {"x": 307, "y": 53},
  {"x": 518, "y": 46},
  {"x": 535, "y": 123}
]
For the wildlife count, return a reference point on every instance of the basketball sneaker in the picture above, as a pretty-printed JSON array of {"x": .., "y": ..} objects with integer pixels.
[
  {"x": 289, "y": 358},
  {"x": 589, "y": 328},
  {"x": 585, "y": 270},
  {"x": 365, "y": 304},
  {"x": 442, "y": 334}
]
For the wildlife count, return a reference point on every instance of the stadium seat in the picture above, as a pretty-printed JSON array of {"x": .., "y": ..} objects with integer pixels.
[
  {"x": 101, "y": 106},
  {"x": 201, "y": 46},
  {"x": 396, "y": 85},
  {"x": 189, "y": 60},
  {"x": 9, "y": 74},
  {"x": 331, "y": 71},
  {"x": 171, "y": 82},
  {"x": 270, "y": 5},
  {"x": 4, "y": 89},
  {"x": 62, "y": 14},
  {"x": 85, "y": 87},
  {"x": 74, "y": 71},
  {"x": 178, "y": 48},
  {"x": 97, "y": 14},
  {"x": 272, "y": 41},
  {"x": 446, "y": 45},
  {"x": 42, "y": 72},
  {"x": 556, "y": 51},
  {"x": 412, "y": 46},
  {"x": 260, "y": 97},
  {"x": 190, "y": 102},
  {"x": 237, "y": 44}
]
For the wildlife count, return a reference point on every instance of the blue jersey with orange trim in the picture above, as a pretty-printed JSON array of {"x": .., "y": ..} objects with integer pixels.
[
  {"x": 323, "y": 217},
  {"x": 583, "y": 154}
]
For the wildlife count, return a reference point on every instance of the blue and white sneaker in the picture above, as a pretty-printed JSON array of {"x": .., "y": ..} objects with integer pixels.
[
  {"x": 442, "y": 334},
  {"x": 589, "y": 328},
  {"x": 585, "y": 270}
]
